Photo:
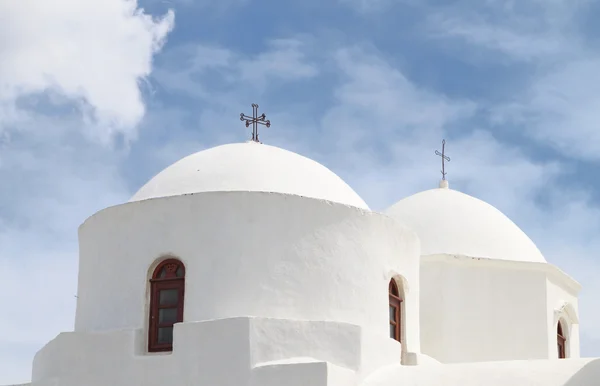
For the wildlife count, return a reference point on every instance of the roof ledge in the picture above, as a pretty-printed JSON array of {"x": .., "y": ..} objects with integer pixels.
[{"x": 551, "y": 270}]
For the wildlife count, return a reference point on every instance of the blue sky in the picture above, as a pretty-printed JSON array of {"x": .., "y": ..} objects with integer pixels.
[{"x": 96, "y": 97}]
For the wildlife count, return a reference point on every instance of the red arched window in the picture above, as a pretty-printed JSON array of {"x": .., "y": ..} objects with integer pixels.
[
  {"x": 395, "y": 311},
  {"x": 167, "y": 287},
  {"x": 561, "y": 340}
]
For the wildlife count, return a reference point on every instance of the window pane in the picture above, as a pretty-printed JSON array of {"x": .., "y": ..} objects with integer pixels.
[
  {"x": 392, "y": 313},
  {"x": 167, "y": 315},
  {"x": 179, "y": 272},
  {"x": 392, "y": 331},
  {"x": 169, "y": 296},
  {"x": 163, "y": 273},
  {"x": 165, "y": 335}
]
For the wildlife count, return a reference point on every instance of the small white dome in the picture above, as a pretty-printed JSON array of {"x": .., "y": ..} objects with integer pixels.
[
  {"x": 250, "y": 167},
  {"x": 451, "y": 222}
]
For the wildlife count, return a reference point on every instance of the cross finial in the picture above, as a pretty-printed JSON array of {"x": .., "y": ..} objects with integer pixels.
[
  {"x": 444, "y": 158},
  {"x": 255, "y": 120}
]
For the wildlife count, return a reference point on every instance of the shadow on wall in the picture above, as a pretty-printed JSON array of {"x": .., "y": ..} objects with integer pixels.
[{"x": 588, "y": 375}]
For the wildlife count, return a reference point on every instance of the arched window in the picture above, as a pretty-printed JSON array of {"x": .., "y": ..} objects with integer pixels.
[
  {"x": 561, "y": 340},
  {"x": 167, "y": 287},
  {"x": 395, "y": 311}
]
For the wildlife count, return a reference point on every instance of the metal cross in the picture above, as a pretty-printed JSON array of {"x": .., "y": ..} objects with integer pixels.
[
  {"x": 444, "y": 158},
  {"x": 255, "y": 120}
]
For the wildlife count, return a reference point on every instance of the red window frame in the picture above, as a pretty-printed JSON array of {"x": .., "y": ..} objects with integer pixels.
[
  {"x": 395, "y": 310},
  {"x": 168, "y": 275},
  {"x": 561, "y": 341}
]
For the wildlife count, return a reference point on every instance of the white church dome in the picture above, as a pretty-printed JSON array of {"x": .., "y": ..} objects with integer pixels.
[
  {"x": 250, "y": 167},
  {"x": 451, "y": 222}
]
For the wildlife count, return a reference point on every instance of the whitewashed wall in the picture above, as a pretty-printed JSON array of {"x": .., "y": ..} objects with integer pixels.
[
  {"x": 255, "y": 254},
  {"x": 475, "y": 310},
  {"x": 224, "y": 352},
  {"x": 569, "y": 372},
  {"x": 275, "y": 256}
]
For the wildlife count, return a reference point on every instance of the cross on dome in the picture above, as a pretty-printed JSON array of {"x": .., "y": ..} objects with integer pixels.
[
  {"x": 255, "y": 120},
  {"x": 443, "y": 183}
]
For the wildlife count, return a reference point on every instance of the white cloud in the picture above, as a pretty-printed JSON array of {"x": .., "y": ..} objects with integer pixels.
[
  {"x": 93, "y": 52},
  {"x": 218, "y": 5},
  {"x": 512, "y": 40},
  {"x": 560, "y": 108},
  {"x": 373, "y": 87},
  {"x": 385, "y": 128},
  {"x": 52, "y": 179},
  {"x": 558, "y": 104},
  {"x": 369, "y": 6},
  {"x": 526, "y": 30},
  {"x": 284, "y": 60}
]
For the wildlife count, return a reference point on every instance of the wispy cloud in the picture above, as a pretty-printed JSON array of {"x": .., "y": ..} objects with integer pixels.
[
  {"x": 285, "y": 59},
  {"x": 185, "y": 68},
  {"x": 560, "y": 108},
  {"x": 526, "y": 30},
  {"x": 93, "y": 53},
  {"x": 511, "y": 40},
  {"x": 368, "y": 5},
  {"x": 52, "y": 179},
  {"x": 558, "y": 104}
]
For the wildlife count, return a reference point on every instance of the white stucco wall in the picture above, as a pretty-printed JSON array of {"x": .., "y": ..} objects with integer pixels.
[
  {"x": 481, "y": 310},
  {"x": 247, "y": 254},
  {"x": 566, "y": 372},
  {"x": 477, "y": 310},
  {"x": 224, "y": 352},
  {"x": 268, "y": 352}
]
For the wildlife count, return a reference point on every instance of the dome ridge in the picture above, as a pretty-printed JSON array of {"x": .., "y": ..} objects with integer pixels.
[
  {"x": 253, "y": 167},
  {"x": 451, "y": 222}
]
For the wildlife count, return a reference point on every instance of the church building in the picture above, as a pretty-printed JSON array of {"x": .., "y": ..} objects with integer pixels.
[{"x": 247, "y": 264}]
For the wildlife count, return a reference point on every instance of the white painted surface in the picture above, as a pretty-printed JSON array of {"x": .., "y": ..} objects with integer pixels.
[
  {"x": 246, "y": 254},
  {"x": 569, "y": 372},
  {"x": 451, "y": 222},
  {"x": 252, "y": 167},
  {"x": 477, "y": 310},
  {"x": 315, "y": 272},
  {"x": 226, "y": 352},
  {"x": 246, "y": 351}
]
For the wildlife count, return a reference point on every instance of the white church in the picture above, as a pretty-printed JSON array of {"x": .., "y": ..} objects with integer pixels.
[{"x": 246, "y": 264}]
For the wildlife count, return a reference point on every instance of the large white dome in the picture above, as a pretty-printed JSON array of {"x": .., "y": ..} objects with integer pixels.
[
  {"x": 451, "y": 222},
  {"x": 252, "y": 167}
]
